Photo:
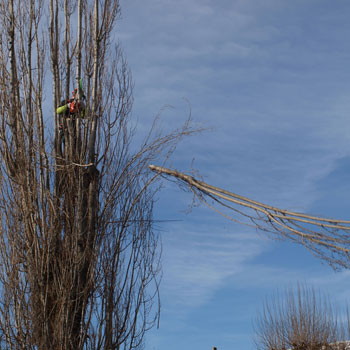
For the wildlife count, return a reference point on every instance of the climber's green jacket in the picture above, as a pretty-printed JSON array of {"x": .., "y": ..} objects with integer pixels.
[{"x": 62, "y": 109}]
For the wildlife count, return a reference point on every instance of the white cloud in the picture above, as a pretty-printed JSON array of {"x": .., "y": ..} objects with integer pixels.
[
  {"x": 271, "y": 78},
  {"x": 198, "y": 263}
]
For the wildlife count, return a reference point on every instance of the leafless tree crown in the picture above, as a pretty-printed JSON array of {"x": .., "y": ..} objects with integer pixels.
[
  {"x": 300, "y": 319},
  {"x": 79, "y": 260}
]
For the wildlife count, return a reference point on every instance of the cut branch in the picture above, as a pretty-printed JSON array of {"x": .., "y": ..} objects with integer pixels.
[{"x": 327, "y": 238}]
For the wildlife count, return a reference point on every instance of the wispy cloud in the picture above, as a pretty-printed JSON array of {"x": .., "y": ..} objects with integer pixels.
[
  {"x": 272, "y": 78},
  {"x": 252, "y": 79},
  {"x": 198, "y": 263}
]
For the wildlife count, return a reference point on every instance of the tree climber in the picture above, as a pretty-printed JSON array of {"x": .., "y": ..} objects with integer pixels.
[{"x": 73, "y": 107}]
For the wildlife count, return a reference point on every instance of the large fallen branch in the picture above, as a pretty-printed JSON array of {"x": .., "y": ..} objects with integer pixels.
[{"x": 326, "y": 238}]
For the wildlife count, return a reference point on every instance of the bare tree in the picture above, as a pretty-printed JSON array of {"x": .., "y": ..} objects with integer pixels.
[
  {"x": 328, "y": 239},
  {"x": 299, "y": 319},
  {"x": 79, "y": 259}
]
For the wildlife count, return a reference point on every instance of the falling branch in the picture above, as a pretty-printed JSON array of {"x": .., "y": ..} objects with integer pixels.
[{"x": 327, "y": 238}]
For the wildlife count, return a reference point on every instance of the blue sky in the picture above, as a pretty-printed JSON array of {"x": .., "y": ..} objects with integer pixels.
[{"x": 272, "y": 80}]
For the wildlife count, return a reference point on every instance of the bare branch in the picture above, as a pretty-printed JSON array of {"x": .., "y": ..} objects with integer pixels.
[{"x": 327, "y": 238}]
